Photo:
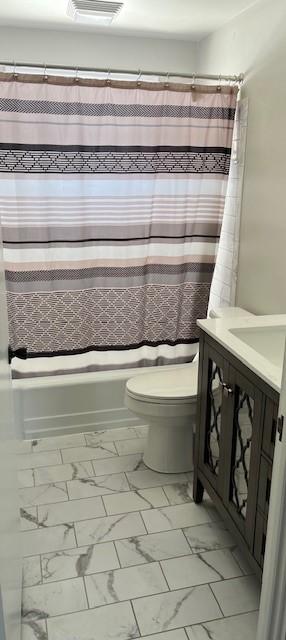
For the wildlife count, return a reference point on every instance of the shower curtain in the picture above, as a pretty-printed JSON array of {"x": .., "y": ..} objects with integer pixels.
[
  {"x": 223, "y": 287},
  {"x": 112, "y": 196}
]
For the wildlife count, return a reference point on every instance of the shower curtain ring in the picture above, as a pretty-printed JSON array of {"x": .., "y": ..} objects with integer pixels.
[
  {"x": 76, "y": 79},
  {"x": 193, "y": 86},
  {"x": 138, "y": 79},
  {"x": 15, "y": 74},
  {"x": 219, "y": 83},
  {"x": 108, "y": 81}
]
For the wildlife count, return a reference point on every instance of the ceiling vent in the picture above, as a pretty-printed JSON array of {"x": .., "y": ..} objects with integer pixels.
[{"x": 96, "y": 11}]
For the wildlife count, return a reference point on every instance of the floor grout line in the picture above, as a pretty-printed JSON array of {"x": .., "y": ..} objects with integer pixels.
[
  {"x": 184, "y": 534},
  {"x": 109, "y": 492},
  {"x": 117, "y": 554},
  {"x": 50, "y": 583},
  {"x": 217, "y": 600},
  {"x": 134, "y": 599},
  {"x": 146, "y": 532},
  {"x": 163, "y": 572},
  {"x": 103, "y": 501},
  {"x": 104, "y": 505},
  {"x": 41, "y": 568},
  {"x": 85, "y": 589},
  {"x": 75, "y": 535},
  {"x": 113, "y": 457},
  {"x": 144, "y": 525},
  {"x": 135, "y": 617},
  {"x": 137, "y": 566},
  {"x": 143, "y": 535},
  {"x": 120, "y": 568},
  {"x": 124, "y": 513},
  {"x": 108, "y": 515},
  {"x": 169, "y": 503},
  {"x": 125, "y": 476}
]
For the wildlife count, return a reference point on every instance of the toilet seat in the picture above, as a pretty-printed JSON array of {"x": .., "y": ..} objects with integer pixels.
[{"x": 174, "y": 387}]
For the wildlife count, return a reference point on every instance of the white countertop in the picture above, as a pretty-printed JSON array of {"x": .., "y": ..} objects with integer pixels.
[{"x": 268, "y": 369}]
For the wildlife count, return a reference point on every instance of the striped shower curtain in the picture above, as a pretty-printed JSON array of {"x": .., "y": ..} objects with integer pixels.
[{"x": 112, "y": 196}]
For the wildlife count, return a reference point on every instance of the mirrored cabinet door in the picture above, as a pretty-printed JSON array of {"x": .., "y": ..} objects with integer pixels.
[
  {"x": 243, "y": 442},
  {"x": 213, "y": 414}
]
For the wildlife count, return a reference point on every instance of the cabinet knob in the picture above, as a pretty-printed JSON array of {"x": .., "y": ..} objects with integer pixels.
[{"x": 227, "y": 389}]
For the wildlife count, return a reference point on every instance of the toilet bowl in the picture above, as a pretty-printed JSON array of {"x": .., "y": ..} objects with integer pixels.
[{"x": 167, "y": 400}]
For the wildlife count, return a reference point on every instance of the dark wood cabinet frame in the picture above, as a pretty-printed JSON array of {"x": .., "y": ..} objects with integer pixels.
[{"x": 249, "y": 531}]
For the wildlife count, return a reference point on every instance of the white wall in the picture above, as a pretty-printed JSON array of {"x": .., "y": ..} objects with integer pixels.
[
  {"x": 255, "y": 43},
  {"x": 93, "y": 50}
]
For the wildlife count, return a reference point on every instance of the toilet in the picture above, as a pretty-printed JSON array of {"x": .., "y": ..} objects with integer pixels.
[{"x": 167, "y": 400}]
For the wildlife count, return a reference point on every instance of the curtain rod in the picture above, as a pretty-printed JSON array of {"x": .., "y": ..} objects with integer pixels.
[{"x": 193, "y": 76}]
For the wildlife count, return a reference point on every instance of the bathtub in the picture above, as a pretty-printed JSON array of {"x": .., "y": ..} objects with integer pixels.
[{"x": 53, "y": 405}]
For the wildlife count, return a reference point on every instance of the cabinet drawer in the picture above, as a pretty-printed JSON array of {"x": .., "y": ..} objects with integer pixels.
[
  {"x": 270, "y": 427},
  {"x": 260, "y": 539},
  {"x": 264, "y": 485}
]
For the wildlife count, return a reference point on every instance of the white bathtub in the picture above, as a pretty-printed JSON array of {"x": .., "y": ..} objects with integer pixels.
[{"x": 75, "y": 402}]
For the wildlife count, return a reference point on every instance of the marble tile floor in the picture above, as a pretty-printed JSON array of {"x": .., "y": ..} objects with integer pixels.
[{"x": 115, "y": 551}]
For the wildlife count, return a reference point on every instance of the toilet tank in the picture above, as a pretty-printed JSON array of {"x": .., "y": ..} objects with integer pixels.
[{"x": 229, "y": 312}]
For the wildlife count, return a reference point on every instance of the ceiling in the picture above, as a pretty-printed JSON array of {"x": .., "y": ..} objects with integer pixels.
[{"x": 176, "y": 19}]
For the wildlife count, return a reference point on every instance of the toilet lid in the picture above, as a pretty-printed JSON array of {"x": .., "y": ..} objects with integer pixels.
[{"x": 179, "y": 384}]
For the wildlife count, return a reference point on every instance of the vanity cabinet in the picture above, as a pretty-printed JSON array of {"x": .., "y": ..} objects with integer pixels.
[{"x": 234, "y": 444}]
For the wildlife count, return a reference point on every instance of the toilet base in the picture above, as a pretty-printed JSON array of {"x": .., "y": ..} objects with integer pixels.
[{"x": 169, "y": 447}]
